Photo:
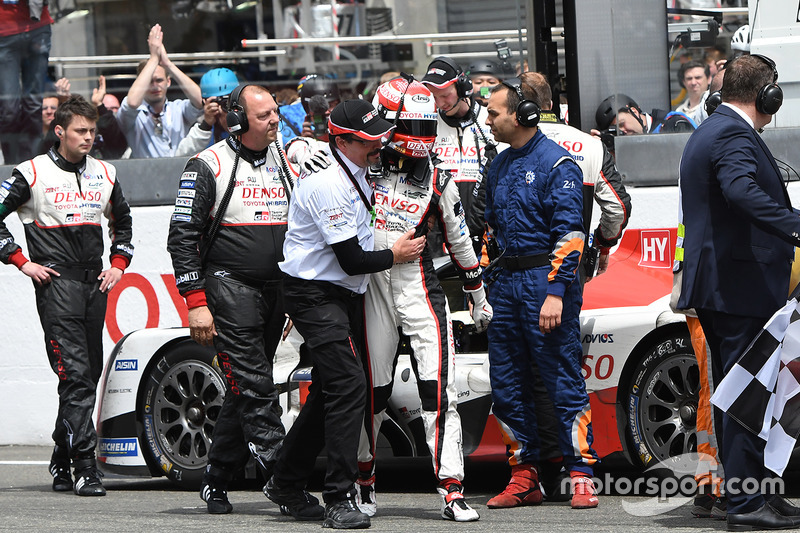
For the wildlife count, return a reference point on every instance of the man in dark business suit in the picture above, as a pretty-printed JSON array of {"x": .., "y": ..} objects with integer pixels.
[{"x": 740, "y": 230}]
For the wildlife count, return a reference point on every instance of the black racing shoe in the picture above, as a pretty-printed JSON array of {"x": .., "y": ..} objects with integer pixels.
[
  {"x": 720, "y": 509},
  {"x": 294, "y": 502},
  {"x": 553, "y": 479},
  {"x": 87, "y": 482},
  {"x": 345, "y": 514},
  {"x": 59, "y": 469},
  {"x": 703, "y": 504},
  {"x": 215, "y": 497},
  {"x": 62, "y": 480}
]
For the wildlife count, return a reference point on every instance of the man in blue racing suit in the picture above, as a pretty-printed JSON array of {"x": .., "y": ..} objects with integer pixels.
[{"x": 534, "y": 205}]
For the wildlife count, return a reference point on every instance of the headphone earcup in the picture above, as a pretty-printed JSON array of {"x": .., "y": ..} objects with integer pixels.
[
  {"x": 237, "y": 121},
  {"x": 463, "y": 86},
  {"x": 712, "y": 102},
  {"x": 236, "y": 117},
  {"x": 528, "y": 113},
  {"x": 769, "y": 99}
]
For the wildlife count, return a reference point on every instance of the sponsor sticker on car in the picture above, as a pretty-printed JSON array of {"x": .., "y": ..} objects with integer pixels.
[
  {"x": 119, "y": 447},
  {"x": 126, "y": 364}
]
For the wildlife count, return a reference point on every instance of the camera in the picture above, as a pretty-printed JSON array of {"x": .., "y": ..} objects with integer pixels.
[
  {"x": 607, "y": 137},
  {"x": 503, "y": 51}
]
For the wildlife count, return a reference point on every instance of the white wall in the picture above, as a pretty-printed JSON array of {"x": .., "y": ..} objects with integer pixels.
[{"x": 28, "y": 386}]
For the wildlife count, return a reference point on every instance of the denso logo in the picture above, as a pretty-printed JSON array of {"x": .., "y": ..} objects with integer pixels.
[
  {"x": 126, "y": 364},
  {"x": 402, "y": 205},
  {"x": 656, "y": 249},
  {"x": 62, "y": 197},
  {"x": 447, "y": 152},
  {"x": 598, "y": 337},
  {"x": 417, "y": 145},
  {"x": 262, "y": 192}
]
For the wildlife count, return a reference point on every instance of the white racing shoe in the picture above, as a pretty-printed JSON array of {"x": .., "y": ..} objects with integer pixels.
[
  {"x": 454, "y": 507},
  {"x": 365, "y": 496}
]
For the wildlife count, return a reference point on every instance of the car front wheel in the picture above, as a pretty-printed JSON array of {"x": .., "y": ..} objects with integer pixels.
[
  {"x": 662, "y": 401},
  {"x": 180, "y": 402}
]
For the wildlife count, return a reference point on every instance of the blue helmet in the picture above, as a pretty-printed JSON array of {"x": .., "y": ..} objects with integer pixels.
[{"x": 218, "y": 82}]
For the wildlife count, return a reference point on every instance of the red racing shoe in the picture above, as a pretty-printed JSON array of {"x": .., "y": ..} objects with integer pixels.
[
  {"x": 584, "y": 495},
  {"x": 522, "y": 489}
]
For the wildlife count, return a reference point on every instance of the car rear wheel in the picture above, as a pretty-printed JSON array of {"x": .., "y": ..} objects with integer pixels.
[
  {"x": 181, "y": 400},
  {"x": 662, "y": 401}
]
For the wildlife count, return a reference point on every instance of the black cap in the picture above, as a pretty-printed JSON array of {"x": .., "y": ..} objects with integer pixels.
[
  {"x": 440, "y": 74},
  {"x": 359, "y": 118}
]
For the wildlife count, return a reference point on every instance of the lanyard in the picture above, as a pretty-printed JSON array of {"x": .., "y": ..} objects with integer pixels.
[
  {"x": 283, "y": 168},
  {"x": 367, "y": 203}
]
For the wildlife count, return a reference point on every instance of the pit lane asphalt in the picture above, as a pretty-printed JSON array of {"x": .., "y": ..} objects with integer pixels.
[{"x": 406, "y": 503}]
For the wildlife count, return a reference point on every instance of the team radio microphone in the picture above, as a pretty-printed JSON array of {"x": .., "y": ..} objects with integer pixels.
[{"x": 317, "y": 108}]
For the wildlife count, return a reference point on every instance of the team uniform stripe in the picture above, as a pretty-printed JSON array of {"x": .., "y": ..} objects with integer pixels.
[
  {"x": 430, "y": 286},
  {"x": 580, "y": 436},
  {"x": 570, "y": 244}
]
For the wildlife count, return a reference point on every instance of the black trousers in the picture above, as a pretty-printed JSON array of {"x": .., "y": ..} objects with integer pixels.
[
  {"x": 742, "y": 452},
  {"x": 249, "y": 322},
  {"x": 330, "y": 319},
  {"x": 72, "y": 313}
]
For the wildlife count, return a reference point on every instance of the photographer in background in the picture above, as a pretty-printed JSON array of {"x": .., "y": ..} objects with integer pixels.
[
  {"x": 311, "y": 151},
  {"x": 216, "y": 86},
  {"x": 619, "y": 114}
]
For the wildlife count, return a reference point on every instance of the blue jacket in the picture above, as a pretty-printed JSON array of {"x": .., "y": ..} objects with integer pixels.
[
  {"x": 740, "y": 226},
  {"x": 534, "y": 204}
]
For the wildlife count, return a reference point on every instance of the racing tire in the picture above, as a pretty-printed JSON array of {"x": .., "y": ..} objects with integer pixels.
[
  {"x": 662, "y": 397},
  {"x": 180, "y": 400}
]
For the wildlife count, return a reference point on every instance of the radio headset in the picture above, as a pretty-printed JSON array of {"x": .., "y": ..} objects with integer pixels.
[
  {"x": 463, "y": 83},
  {"x": 236, "y": 117},
  {"x": 712, "y": 102},
  {"x": 527, "y": 110},
  {"x": 770, "y": 96}
]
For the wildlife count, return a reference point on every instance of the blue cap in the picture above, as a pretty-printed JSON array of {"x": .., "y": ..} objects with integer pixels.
[{"x": 218, "y": 82}]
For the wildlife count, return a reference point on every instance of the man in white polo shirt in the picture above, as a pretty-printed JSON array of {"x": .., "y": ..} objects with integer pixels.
[{"x": 328, "y": 251}]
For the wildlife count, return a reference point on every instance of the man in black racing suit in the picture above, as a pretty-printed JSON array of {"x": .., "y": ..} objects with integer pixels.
[
  {"x": 60, "y": 197},
  {"x": 226, "y": 238}
]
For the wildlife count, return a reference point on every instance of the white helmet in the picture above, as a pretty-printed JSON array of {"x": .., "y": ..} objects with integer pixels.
[
  {"x": 415, "y": 133},
  {"x": 740, "y": 41}
]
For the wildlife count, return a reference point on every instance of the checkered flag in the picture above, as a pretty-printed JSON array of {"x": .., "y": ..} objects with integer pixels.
[{"x": 761, "y": 389}]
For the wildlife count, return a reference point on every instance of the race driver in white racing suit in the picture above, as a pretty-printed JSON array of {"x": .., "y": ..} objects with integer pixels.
[{"x": 410, "y": 191}]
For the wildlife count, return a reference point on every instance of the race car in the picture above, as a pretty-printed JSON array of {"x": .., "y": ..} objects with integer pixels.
[{"x": 162, "y": 392}]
